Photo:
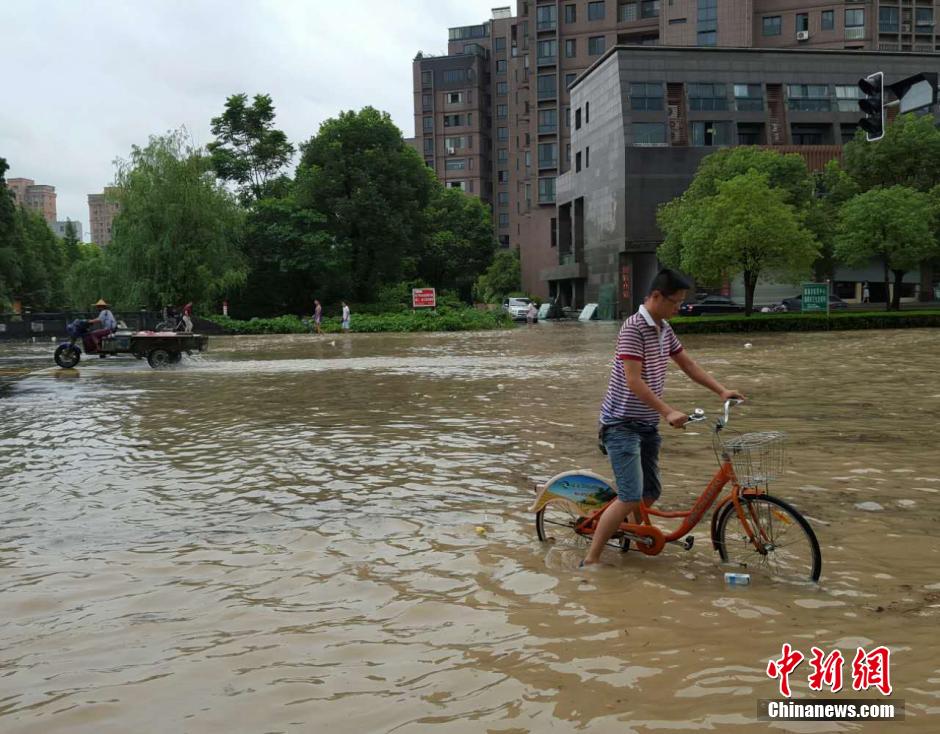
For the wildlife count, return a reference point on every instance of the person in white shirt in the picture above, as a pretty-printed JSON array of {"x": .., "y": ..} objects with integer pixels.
[{"x": 345, "y": 316}]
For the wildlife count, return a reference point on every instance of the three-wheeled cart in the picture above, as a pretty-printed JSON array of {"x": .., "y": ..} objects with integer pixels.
[{"x": 159, "y": 348}]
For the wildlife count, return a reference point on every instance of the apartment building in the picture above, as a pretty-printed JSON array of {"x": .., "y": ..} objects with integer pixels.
[
  {"x": 102, "y": 209},
  {"x": 493, "y": 117},
  {"x": 38, "y": 198}
]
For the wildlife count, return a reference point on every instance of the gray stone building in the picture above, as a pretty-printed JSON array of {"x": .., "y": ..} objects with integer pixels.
[{"x": 644, "y": 118}]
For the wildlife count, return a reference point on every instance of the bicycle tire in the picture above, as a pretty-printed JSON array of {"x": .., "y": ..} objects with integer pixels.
[
  {"x": 556, "y": 522},
  {"x": 792, "y": 550}
]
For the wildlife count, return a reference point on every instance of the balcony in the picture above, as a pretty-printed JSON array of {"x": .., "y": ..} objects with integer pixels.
[
  {"x": 547, "y": 163},
  {"x": 548, "y": 128},
  {"x": 855, "y": 33},
  {"x": 548, "y": 94},
  {"x": 546, "y": 25},
  {"x": 546, "y": 61}
]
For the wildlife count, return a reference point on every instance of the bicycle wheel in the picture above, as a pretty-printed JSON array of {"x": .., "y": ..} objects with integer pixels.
[
  {"x": 790, "y": 549},
  {"x": 556, "y": 522}
]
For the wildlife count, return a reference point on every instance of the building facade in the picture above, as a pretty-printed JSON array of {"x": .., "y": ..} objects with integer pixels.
[
  {"x": 645, "y": 118},
  {"x": 59, "y": 228},
  {"x": 38, "y": 198},
  {"x": 493, "y": 117},
  {"x": 102, "y": 209}
]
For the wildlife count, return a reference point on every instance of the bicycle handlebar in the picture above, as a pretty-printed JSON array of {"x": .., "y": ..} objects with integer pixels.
[{"x": 698, "y": 415}]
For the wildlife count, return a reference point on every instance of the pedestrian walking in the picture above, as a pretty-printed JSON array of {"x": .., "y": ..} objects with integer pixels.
[
  {"x": 317, "y": 316},
  {"x": 531, "y": 314},
  {"x": 345, "y": 323},
  {"x": 866, "y": 294}
]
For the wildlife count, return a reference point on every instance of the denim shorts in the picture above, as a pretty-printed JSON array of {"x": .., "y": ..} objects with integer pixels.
[{"x": 633, "y": 449}]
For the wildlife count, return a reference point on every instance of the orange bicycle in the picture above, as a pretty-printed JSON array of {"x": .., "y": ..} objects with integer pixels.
[{"x": 770, "y": 534}]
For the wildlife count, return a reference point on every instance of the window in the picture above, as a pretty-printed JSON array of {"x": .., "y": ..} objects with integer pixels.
[
  {"x": 454, "y": 143},
  {"x": 546, "y": 190},
  {"x": 577, "y": 162},
  {"x": 453, "y": 120},
  {"x": 750, "y": 133},
  {"x": 547, "y": 86},
  {"x": 587, "y": 157},
  {"x": 888, "y": 20},
  {"x": 571, "y": 48},
  {"x": 426, "y": 77},
  {"x": 771, "y": 25},
  {"x": 828, "y": 21},
  {"x": 649, "y": 9},
  {"x": 569, "y": 79},
  {"x": 455, "y": 164},
  {"x": 428, "y": 123},
  {"x": 545, "y": 17},
  {"x": 548, "y": 120},
  {"x": 847, "y": 97},
  {"x": 587, "y": 112},
  {"x": 748, "y": 97},
  {"x": 547, "y": 50},
  {"x": 567, "y": 152},
  {"x": 847, "y": 131},
  {"x": 854, "y": 18},
  {"x": 568, "y": 117},
  {"x": 468, "y": 31},
  {"x": 627, "y": 12},
  {"x": 502, "y": 155},
  {"x": 596, "y": 11},
  {"x": 810, "y": 134},
  {"x": 528, "y": 159},
  {"x": 577, "y": 119},
  {"x": 462, "y": 185},
  {"x": 646, "y": 96},
  {"x": 455, "y": 75},
  {"x": 924, "y": 20},
  {"x": 502, "y": 133},
  {"x": 711, "y": 97},
  {"x": 571, "y": 13},
  {"x": 711, "y": 133},
  {"x": 707, "y": 30},
  {"x": 428, "y": 146},
  {"x": 649, "y": 133},
  {"x": 707, "y": 38},
  {"x": 499, "y": 43},
  {"x": 454, "y": 97},
  {"x": 808, "y": 97},
  {"x": 502, "y": 111},
  {"x": 595, "y": 45},
  {"x": 502, "y": 177},
  {"x": 802, "y": 22},
  {"x": 504, "y": 219},
  {"x": 502, "y": 198},
  {"x": 501, "y": 66},
  {"x": 548, "y": 155}
]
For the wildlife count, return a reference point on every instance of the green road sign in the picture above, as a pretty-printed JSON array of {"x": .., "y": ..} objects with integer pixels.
[{"x": 815, "y": 297}]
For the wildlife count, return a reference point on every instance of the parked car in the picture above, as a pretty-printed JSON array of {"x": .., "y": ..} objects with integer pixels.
[
  {"x": 710, "y": 304},
  {"x": 516, "y": 307},
  {"x": 796, "y": 303}
]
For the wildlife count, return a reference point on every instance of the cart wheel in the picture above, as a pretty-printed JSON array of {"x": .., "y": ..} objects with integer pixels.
[
  {"x": 158, "y": 358},
  {"x": 175, "y": 357},
  {"x": 67, "y": 356}
]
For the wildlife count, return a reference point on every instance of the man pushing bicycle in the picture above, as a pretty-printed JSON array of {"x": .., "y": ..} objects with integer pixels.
[{"x": 634, "y": 404}]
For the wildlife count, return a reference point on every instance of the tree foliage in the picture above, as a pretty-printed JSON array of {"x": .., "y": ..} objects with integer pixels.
[
  {"x": 248, "y": 150},
  {"x": 502, "y": 277},
  {"x": 747, "y": 227},
  {"x": 895, "y": 225},
  {"x": 908, "y": 155}
]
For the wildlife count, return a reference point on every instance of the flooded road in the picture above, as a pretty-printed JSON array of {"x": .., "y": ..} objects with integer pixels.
[{"x": 282, "y": 535}]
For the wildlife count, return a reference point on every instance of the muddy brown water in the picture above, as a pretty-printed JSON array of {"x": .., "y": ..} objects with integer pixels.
[{"x": 281, "y": 536}]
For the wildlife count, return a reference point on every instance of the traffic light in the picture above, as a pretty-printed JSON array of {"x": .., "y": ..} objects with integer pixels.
[{"x": 873, "y": 105}]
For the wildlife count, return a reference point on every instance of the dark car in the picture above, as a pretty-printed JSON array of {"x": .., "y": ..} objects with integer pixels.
[
  {"x": 710, "y": 304},
  {"x": 796, "y": 303}
]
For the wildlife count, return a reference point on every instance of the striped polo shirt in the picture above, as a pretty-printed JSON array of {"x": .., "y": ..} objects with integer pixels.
[{"x": 642, "y": 340}]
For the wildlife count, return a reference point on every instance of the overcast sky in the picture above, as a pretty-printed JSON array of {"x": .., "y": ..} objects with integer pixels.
[{"x": 84, "y": 80}]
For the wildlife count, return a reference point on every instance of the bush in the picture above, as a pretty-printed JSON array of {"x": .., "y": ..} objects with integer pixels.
[
  {"x": 841, "y": 321},
  {"x": 444, "y": 319}
]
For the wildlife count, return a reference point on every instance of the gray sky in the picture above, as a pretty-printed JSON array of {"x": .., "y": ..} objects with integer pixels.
[{"x": 84, "y": 80}]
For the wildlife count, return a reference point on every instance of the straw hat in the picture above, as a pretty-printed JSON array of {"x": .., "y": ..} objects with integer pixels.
[{"x": 102, "y": 303}]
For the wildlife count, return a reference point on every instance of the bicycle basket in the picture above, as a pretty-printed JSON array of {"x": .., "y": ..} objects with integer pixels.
[{"x": 757, "y": 457}]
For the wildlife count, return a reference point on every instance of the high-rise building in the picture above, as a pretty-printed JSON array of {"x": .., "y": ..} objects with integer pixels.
[
  {"x": 38, "y": 198},
  {"x": 102, "y": 209},
  {"x": 493, "y": 117},
  {"x": 60, "y": 228}
]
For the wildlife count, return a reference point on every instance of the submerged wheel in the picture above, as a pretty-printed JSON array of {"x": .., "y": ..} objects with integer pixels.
[
  {"x": 175, "y": 357},
  {"x": 158, "y": 358},
  {"x": 556, "y": 522},
  {"x": 790, "y": 551},
  {"x": 67, "y": 356}
]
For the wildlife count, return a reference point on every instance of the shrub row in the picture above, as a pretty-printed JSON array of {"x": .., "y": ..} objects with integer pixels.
[
  {"x": 466, "y": 319},
  {"x": 841, "y": 321}
]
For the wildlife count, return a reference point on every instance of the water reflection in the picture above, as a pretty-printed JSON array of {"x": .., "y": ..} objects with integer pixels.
[{"x": 282, "y": 533}]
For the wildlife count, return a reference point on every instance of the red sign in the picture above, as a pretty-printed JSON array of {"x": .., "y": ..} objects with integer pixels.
[{"x": 423, "y": 298}]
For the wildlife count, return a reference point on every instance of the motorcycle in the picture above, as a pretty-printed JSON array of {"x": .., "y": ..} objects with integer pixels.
[{"x": 68, "y": 354}]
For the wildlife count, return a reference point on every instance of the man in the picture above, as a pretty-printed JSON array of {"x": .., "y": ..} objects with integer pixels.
[
  {"x": 345, "y": 323},
  {"x": 188, "y": 317},
  {"x": 105, "y": 320},
  {"x": 634, "y": 402},
  {"x": 317, "y": 315}
]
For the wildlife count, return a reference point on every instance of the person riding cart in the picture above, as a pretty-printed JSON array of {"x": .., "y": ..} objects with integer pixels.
[{"x": 107, "y": 324}]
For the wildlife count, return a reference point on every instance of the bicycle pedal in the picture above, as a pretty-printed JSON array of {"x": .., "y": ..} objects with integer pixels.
[{"x": 688, "y": 542}]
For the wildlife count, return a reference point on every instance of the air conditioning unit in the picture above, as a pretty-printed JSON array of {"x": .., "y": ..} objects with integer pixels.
[
  {"x": 905, "y": 27},
  {"x": 802, "y": 35},
  {"x": 451, "y": 151}
]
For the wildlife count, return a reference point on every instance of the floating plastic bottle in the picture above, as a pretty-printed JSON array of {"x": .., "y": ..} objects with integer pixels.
[{"x": 737, "y": 579}]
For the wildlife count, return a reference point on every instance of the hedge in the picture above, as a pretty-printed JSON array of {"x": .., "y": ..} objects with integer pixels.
[
  {"x": 836, "y": 321},
  {"x": 467, "y": 319}
]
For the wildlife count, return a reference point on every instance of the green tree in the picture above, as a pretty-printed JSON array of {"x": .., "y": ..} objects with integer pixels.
[
  {"x": 42, "y": 263},
  {"x": 372, "y": 190},
  {"x": 908, "y": 155},
  {"x": 895, "y": 225},
  {"x": 833, "y": 187},
  {"x": 10, "y": 242},
  {"x": 177, "y": 235},
  {"x": 248, "y": 150},
  {"x": 460, "y": 242},
  {"x": 502, "y": 277},
  {"x": 746, "y": 228},
  {"x": 70, "y": 243},
  {"x": 89, "y": 277}
]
